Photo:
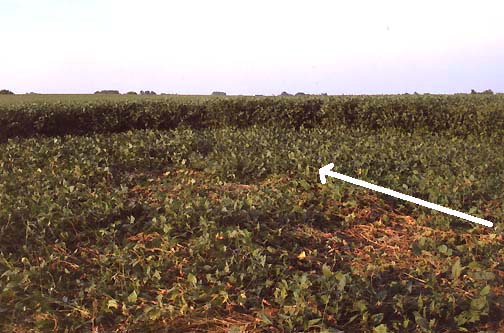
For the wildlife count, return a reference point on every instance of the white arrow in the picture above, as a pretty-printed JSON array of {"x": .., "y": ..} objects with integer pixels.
[{"x": 326, "y": 171}]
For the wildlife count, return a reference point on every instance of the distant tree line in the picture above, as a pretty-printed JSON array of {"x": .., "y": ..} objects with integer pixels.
[
  {"x": 485, "y": 92},
  {"x": 221, "y": 93},
  {"x": 147, "y": 92},
  {"x": 284, "y": 93},
  {"x": 116, "y": 92},
  {"x": 109, "y": 92}
]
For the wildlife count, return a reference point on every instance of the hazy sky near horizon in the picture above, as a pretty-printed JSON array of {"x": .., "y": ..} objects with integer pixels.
[{"x": 251, "y": 47}]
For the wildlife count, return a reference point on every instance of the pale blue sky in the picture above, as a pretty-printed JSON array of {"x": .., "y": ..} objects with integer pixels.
[{"x": 251, "y": 47}]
